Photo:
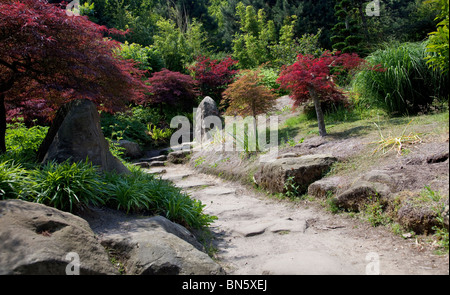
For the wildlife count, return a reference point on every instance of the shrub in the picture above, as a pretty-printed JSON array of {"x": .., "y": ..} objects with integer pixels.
[
  {"x": 129, "y": 193},
  {"x": 406, "y": 86},
  {"x": 247, "y": 97},
  {"x": 22, "y": 142},
  {"x": 438, "y": 46},
  {"x": 172, "y": 89},
  {"x": 213, "y": 75},
  {"x": 268, "y": 77},
  {"x": 131, "y": 125},
  {"x": 148, "y": 58}
]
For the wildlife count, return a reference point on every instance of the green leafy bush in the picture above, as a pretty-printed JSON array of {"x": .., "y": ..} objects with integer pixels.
[
  {"x": 131, "y": 125},
  {"x": 268, "y": 77},
  {"x": 148, "y": 58},
  {"x": 130, "y": 193},
  {"x": 22, "y": 142},
  {"x": 159, "y": 135},
  {"x": 438, "y": 45},
  {"x": 407, "y": 85}
]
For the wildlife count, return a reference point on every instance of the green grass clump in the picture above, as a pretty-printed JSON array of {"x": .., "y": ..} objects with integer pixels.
[
  {"x": 67, "y": 186},
  {"x": 13, "y": 180},
  {"x": 140, "y": 192},
  {"x": 407, "y": 85}
]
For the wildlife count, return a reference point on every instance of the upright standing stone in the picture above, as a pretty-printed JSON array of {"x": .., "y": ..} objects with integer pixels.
[
  {"x": 206, "y": 115},
  {"x": 76, "y": 135}
]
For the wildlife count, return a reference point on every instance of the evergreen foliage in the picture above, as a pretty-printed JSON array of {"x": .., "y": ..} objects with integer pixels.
[{"x": 346, "y": 32}]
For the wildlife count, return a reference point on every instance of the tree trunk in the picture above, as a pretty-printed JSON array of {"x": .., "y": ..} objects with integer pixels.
[
  {"x": 362, "y": 14},
  {"x": 255, "y": 128},
  {"x": 319, "y": 113},
  {"x": 2, "y": 123}
]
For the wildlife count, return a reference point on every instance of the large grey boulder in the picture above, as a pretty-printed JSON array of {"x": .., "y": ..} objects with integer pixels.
[
  {"x": 130, "y": 149},
  {"x": 362, "y": 193},
  {"x": 325, "y": 187},
  {"x": 160, "y": 253},
  {"x": 152, "y": 245},
  {"x": 76, "y": 135},
  {"x": 38, "y": 240},
  {"x": 302, "y": 171},
  {"x": 207, "y": 112}
]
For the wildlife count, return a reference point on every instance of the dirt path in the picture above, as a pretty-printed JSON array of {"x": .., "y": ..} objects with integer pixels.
[{"x": 258, "y": 235}]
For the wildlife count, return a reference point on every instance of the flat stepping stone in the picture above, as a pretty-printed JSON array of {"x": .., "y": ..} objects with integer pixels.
[
  {"x": 288, "y": 225},
  {"x": 157, "y": 164},
  {"x": 158, "y": 158},
  {"x": 218, "y": 191},
  {"x": 157, "y": 170},
  {"x": 252, "y": 228},
  {"x": 190, "y": 184},
  {"x": 306, "y": 263},
  {"x": 255, "y": 229}
]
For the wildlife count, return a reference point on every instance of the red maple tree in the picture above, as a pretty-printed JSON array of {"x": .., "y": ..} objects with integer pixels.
[
  {"x": 172, "y": 89},
  {"x": 48, "y": 58},
  {"x": 214, "y": 75},
  {"x": 311, "y": 78}
]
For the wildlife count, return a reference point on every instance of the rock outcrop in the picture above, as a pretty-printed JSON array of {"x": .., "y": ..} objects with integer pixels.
[
  {"x": 179, "y": 157},
  {"x": 76, "y": 135},
  {"x": 302, "y": 171},
  {"x": 152, "y": 246},
  {"x": 36, "y": 239},
  {"x": 362, "y": 193}
]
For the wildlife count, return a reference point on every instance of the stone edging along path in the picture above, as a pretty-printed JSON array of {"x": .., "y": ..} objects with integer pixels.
[{"x": 258, "y": 235}]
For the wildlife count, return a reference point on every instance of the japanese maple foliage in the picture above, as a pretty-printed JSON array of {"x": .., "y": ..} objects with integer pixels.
[
  {"x": 172, "y": 89},
  {"x": 48, "y": 58},
  {"x": 213, "y": 75},
  {"x": 311, "y": 78}
]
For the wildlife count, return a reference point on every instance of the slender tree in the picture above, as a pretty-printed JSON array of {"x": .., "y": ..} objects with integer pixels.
[
  {"x": 311, "y": 78},
  {"x": 247, "y": 97}
]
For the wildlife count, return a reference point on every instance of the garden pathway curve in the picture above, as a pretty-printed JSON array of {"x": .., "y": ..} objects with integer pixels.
[{"x": 255, "y": 234}]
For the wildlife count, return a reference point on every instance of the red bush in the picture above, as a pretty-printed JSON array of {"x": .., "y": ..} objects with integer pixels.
[
  {"x": 213, "y": 75},
  {"x": 173, "y": 89}
]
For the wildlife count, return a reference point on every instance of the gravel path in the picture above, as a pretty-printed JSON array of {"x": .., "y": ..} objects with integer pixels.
[{"x": 258, "y": 235}]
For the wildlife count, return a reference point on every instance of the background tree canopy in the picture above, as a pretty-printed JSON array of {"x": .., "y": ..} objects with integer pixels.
[{"x": 403, "y": 20}]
